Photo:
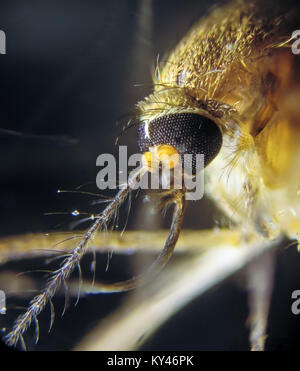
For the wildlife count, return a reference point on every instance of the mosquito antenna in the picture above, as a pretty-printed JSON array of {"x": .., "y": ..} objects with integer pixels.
[
  {"x": 59, "y": 276},
  {"x": 52, "y": 315}
]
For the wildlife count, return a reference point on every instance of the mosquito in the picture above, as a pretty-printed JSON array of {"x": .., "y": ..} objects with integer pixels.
[{"x": 228, "y": 91}]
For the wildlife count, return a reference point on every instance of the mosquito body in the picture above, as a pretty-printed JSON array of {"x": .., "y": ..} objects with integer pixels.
[{"x": 236, "y": 69}]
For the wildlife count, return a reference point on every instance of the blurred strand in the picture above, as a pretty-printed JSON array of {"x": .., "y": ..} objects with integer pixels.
[{"x": 36, "y": 245}]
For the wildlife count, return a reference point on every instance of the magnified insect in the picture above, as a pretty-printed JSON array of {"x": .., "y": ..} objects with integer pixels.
[{"x": 228, "y": 91}]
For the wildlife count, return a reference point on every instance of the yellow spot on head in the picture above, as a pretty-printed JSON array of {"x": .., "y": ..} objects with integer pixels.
[{"x": 164, "y": 154}]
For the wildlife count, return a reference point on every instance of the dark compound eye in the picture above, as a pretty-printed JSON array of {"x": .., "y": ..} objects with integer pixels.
[{"x": 189, "y": 133}]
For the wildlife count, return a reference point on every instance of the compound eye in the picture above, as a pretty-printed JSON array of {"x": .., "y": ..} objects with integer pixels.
[{"x": 188, "y": 133}]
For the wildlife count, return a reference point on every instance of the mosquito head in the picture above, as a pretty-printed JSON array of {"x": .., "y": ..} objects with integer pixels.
[{"x": 181, "y": 133}]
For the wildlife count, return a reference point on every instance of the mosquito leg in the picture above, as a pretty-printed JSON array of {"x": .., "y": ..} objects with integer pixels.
[
  {"x": 144, "y": 313},
  {"x": 260, "y": 276},
  {"x": 179, "y": 200}
]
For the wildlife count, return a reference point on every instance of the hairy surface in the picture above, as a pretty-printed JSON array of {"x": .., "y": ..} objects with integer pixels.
[{"x": 236, "y": 67}]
